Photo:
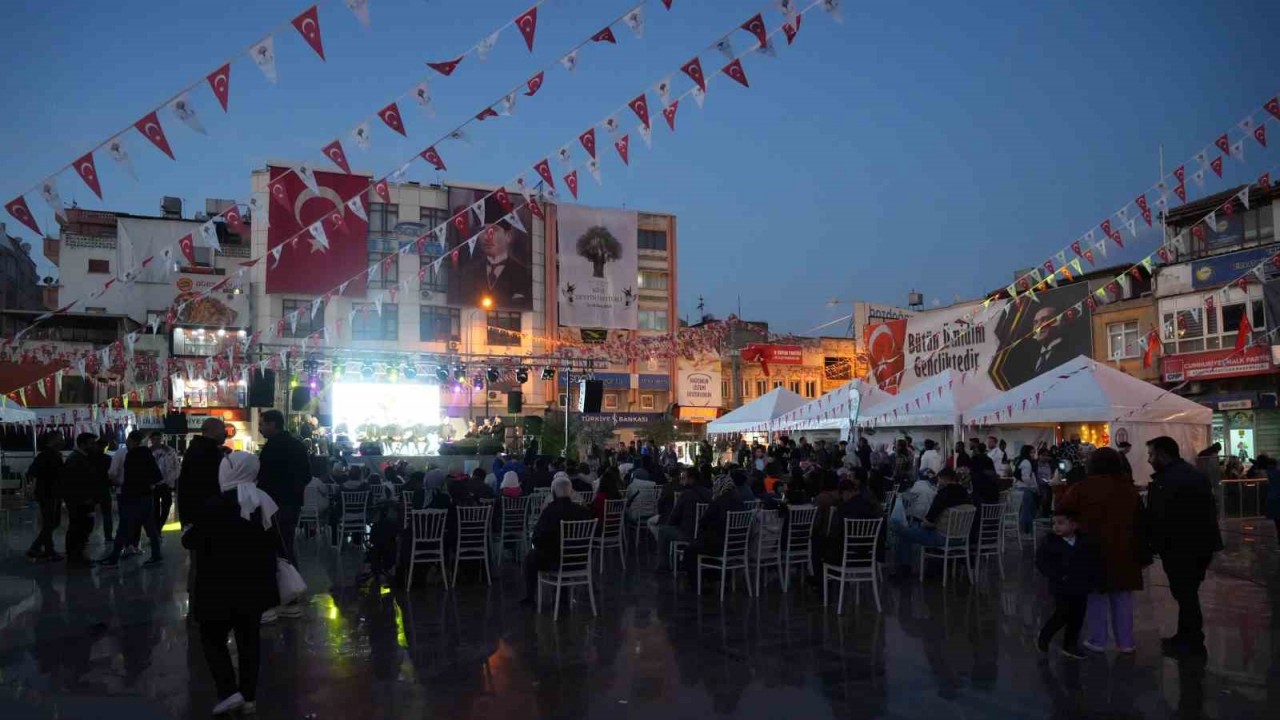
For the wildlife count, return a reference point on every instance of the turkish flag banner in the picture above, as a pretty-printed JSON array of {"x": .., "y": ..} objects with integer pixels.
[
  {"x": 543, "y": 168},
  {"x": 334, "y": 152},
  {"x": 447, "y": 67},
  {"x": 391, "y": 116},
  {"x": 755, "y": 26},
  {"x": 621, "y": 145},
  {"x": 669, "y": 113},
  {"x": 693, "y": 69},
  {"x": 188, "y": 246},
  {"x": 605, "y": 35},
  {"x": 150, "y": 128},
  {"x": 528, "y": 25},
  {"x": 303, "y": 267},
  {"x": 534, "y": 84},
  {"x": 640, "y": 106},
  {"x": 18, "y": 208},
  {"x": 736, "y": 73},
  {"x": 432, "y": 156},
  {"x": 235, "y": 224},
  {"x": 220, "y": 83},
  {"x": 588, "y": 140},
  {"x": 572, "y": 181},
  {"x": 88, "y": 171},
  {"x": 308, "y": 25},
  {"x": 1216, "y": 165}
]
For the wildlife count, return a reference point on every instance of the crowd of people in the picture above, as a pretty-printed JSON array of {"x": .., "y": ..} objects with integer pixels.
[{"x": 239, "y": 514}]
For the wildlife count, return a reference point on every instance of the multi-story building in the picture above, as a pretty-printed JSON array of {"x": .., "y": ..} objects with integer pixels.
[
  {"x": 19, "y": 282},
  {"x": 752, "y": 365},
  {"x": 1201, "y": 304}
]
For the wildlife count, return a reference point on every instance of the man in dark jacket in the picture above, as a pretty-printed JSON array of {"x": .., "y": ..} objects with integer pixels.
[
  {"x": 198, "y": 478},
  {"x": 1183, "y": 531},
  {"x": 44, "y": 472},
  {"x": 545, "y": 554},
  {"x": 77, "y": 481},
  {"x": 137, "y": 507},
  {"x": 681, "y": 524},
  {"x": 284, "y": 474}
]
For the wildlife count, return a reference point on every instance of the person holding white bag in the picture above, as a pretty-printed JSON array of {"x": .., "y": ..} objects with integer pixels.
[{"x": 237, "y": 547}]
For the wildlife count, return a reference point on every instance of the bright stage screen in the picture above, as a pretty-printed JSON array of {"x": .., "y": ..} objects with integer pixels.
[{"x": 403, "y": 404}]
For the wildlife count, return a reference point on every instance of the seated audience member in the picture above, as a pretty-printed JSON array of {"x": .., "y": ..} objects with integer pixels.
[
  {"x": 950, "y": 495},
  {"x": 680, "y": 524},
  {"x": 510, "y": 485},
  {"x": 544, "y": 555},
  {"x": 607, "y": 490},
  {"x": 856, "y": 503},
  {"x": 714, "y": 524},
  {"x": 741, "y": 487}
]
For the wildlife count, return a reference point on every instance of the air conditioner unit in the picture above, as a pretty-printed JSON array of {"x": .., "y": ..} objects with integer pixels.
[
  {"x": 454, "y": 346},
  {"x": 494, "y": 396},
  {"x": 425, "y": 293}
]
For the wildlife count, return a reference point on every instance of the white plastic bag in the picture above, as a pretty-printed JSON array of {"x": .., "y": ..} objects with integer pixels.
[{"x": 289, "y": 582}]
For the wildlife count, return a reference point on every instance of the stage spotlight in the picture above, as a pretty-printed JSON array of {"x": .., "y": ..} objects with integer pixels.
[
  {"x": 548, "y": 373},
  {"x": 478, "y": 382},
  {"x": 366, "y": 371},
  {"x": 442, "y": 374},
  {"x": 459, "y": 373},
  {"x": 393, "y": 373},
  {"x": 492, "y": 374},
  {"x": 410, "y": 372},
  {"x": 522, "y": 375},
  {"x": 337, "y": 372}
]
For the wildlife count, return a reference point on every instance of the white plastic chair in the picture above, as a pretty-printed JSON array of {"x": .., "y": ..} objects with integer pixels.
[
  {"x": 584, "y": 497},
  {"x": 857, "y": 561},
  {"x": 767, "y": 552},
  {"x": 576, "y": 543},
  {"x": 514, "y": 525},
  {"x": 353, "y": 518},
  {"x": 473, "y": 538},
  {"x": 407, "y": 503},
  {"x": 990, "y": 537},
  {"x": 955, "y": 542},
  {"x": 678, "y": 546},
  {"x": 797, "y": 546},
  {"x": 733, "y": 554},
  {"x": 643, "y": 506},
  {"x": 611, "y": 532},
  {"x": 427, "y": 541},
  {"x": 1009, "y": 520},
  {"x": 750, "y": 504},
  {"x": 308, "y": 517}
]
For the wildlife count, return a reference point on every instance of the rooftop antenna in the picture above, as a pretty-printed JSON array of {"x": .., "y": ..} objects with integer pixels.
[{"x": 702, "y": 306}]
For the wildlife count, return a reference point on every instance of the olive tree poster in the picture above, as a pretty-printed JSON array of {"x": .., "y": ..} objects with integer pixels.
[{"x": 598, "y": 269}]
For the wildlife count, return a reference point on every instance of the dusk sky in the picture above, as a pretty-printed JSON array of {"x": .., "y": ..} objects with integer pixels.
[{"x": 931, "y": 145}]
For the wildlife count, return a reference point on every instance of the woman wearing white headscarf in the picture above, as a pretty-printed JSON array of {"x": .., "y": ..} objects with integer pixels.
[
  {"x": 510, "y": 485},
  {"x": 235, "y": 546}
]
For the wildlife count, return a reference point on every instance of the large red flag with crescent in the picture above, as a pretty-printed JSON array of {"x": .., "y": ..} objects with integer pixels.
[{"x": 303, "y": 266}]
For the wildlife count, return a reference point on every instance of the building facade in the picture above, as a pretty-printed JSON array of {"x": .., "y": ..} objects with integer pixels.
[
  {"x": 19, "y": 281},
  {"x": 1201, "y": 305}
]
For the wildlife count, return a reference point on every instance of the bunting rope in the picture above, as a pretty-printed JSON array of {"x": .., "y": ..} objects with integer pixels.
[
  {"x": 334, "y": 152},
  {"x": 638, "y": 105}
]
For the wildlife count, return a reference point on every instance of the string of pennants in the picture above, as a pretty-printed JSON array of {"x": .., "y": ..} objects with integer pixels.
[
  {"x": 361, "y": 134},
  {"x": 98, "y": 416},
  {"x": 685, "y": 342},
  {"x": 534, "y": 194}
]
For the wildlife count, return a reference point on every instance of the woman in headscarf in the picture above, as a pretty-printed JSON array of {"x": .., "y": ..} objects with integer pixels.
[
  {"x": 510, "y": 485},
  {"x": 710, "y": 540},
  {"x": 235, "y": 545}
]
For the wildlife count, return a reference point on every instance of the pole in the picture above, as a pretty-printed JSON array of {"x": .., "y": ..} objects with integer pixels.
[{"x": 567, "y": 378}]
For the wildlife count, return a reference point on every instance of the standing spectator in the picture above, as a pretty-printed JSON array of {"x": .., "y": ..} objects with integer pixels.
[
  {"x": 198, "y": 476},
  {"x": 931, "y": 459},
  {"x": 1124, "y": 448},
  {"x": 45, "y": 471},
  {"x": 79, "y": 494},
  {"x": 1069, "y": 562},
  {"x": 1024, "y": 476},
  {"x": 995, "y": 452},
  {"x": 902, "y": 464},
  {"x": 1267, "y": 465},
  {"x": 864, "y": 453},
  {"x": 170, "y": 467},
  {"x": 1183, "y": 531},
  {"x": 137, "y": 479},
  {"x": 235, "y": 546},
  {"x": 102, "y": 486},
  {"x": 284, "y": 474},
  {"x": 1107, "y": 504}
]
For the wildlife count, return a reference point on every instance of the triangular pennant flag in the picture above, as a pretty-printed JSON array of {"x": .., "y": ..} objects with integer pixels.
[
  {"x": 319, "y": 238},
  {"x": 151, "y": 129},
  {"x": 645, "y": 134},
  {"x": 536, "y": 209},
  {"x": 186, "y": 112},
  {"x": 235, "y": 223},
  {"x": 1260, "y": 134},
  {"x": 120, "y": 154},
  {"x": 263, "y": 54},
  {"x": 663, "y": 89},
  {"x": 308, "y": 25},
  {"x": 514, "y": 220},
  {"x": 527, "y": 23},
  {"x": 88, "y": 172},
  {"x": 564, "y": 156},
  {"x": 484, "y": 46},
  {"x": 360, "y": 8},
  {"x": 432, "y": 156},
  {"x": 755, "y": 26},
  {"x": 188, "y": 247},
  {"x": 669, "y": 114},
  {"x": 471, "y": 244},
  {"x": 1237, "y": 150},
  {"x": 725, "y": 46},
  {"x": 588, "y": 140},
  {"x": 699, "y": 95},
  {"x": 508, "y": 104},
  {"x": 447, "y": 67},
  {"x": 593, "y": 167},
  {"x": 1223, "y": 143},
  {"x": 49, "y": 191},
  {"x": 693, "y": 69},
  {"x": 18, "y": 208},
  {"x": 1216, "y": 166},
  {"x": 635, "y": 20},
  {"x": 391, "y": 116},
  {"x": 335, "y": 153},
  {"x": 833, "y": 9},
  {"x": 1243, "y": 197},
  {"x": 308, "y": 177},
  {"x": 620, "y": 145},
  {"x": 791, "y": 28},
  {"x": 220, "y": 83},
  {"x": 1088, "y": 255},
  {"x": 640, "y": 106},
  {"x": 1101, "y": 247},
  {"x": 1198, "y": 177},
  {"x": 543, "y": 168},
  {"x": 356, "y": 205},
  {"x": 533, "y": 84},
  {"x": 570, "y": 61},
  {"x": 1180, "y": 190},
  {"x": 209, "y": 236},
  {"x": 422, "y": 96},
  {"x": 382, "y": 191},
  {"x": 477, "y": 207},
  {"x": 736, "y": 73},
  {"x": 572, "y": 181},
  {"x": 606, "y": 36}
]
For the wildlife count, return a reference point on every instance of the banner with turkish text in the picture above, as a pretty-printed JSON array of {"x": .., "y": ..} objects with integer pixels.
[{"x": 598, "y": 285}]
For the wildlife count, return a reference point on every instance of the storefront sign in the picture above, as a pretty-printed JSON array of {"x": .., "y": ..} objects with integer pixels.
[
  {"x": 774, "y": 354},
  {"x": 698, "y": 382},
  {"x": 1235, "y": 405},
  {"x": 1225, "y": 268},
  {"x": 622, "y": 420},
  {"x": 698, "y": 414},
  {"x": 1216, "y": 364},
  {"x": 653, "y": 382}
]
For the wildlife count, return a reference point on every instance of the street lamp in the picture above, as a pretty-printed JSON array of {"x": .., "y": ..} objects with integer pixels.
[{"x": 486, "y": 303}]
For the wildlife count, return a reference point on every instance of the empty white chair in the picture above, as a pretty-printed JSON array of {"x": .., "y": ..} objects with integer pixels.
[
  {"x": 644, "y": 504},
  {"x": 513, "y": 529},
  {"x": 955, "y": 542},
  {"x": 473, "y": 538},
  {"x": 990, "y": 537},
  {"x": 1012, "y": 510},
  {"x": 611, "y": 531},
  {"x": 584, "y": 497},
  {"x": 857, "y": 560},
  {"x": 407, "y": 503},
  {"x": 427, "y": 541},
  {"x": 797, "y": 543},
  {"x": 352, "y": 519},
  {"x": 679, "y": 546},
  {"x": 308, "y": 518},
  {"x": 750, "y": 504},
  {"x": 733, "y": 553},
  {"x": 767, "y": 549},
  {"x": 576, "y": 542}
]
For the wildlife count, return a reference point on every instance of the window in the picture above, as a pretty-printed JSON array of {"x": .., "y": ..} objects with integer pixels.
[
  {"x": 762, "y": 387},
  {"x": 1189, "y": 327},
  {"x": 367, "y": 324},
  {"x": 795, "y": 386},
  {"x": 1259, "y": 225},
  {"x": 1122, "y": 340},
  {"x": 724, "y": 389},
  {"x": 652, "y": 240},
  {"x": 610, "y": 402},
  {"x": 777, "y": 384},
  {"x": 102, "y": 267},
  {"x": 746, "y": 388},
  {"x": 504, "y": 328},
  {"x": 652, "y": 280},
  {"x": 810, "y": 389},
  {"x": 435, "y": 279},
  {"x": 837, "y": 368},
  {"x": 1231, "y": 316},
  {"x": 432, "y": 218},
  {"x": 646, "y": 402},
  {"x": 75, "y": 391},
  {"x": 306, "y": 324},
  {"x": 653, "y": 320},
  {"x": 383, "y": 244},
  {"x": 439, "y": 324}
]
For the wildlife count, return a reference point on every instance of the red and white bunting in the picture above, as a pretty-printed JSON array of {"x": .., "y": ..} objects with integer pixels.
[
  {"x": 693, "y": 69},
  {"x": 447, "y": 67},
  {"x": 534, "y": 84},
  {"x": 391, "y": 116},
  {"x": 335, "y": 153},
  {"x": 605, "y": 36},
  {"x": 188, "y": 247},
  {"x": 88, "y": 172},
  {"x": 640, "y": 106},
  {"x": 622, "y": 145},
  {"x": 571, "y": 180},
  {"x": 588, "y": 140},
  {"x": 18, "y": 208},
  {"x": 308, "y": 26},
  {"x": 151, "y": 129},
  {"x": 263, "y": 54},
  {"x": 543, "y": 168},
  {"x": 736, "y": 73},
  {"x": 527, "y": 24},
  {"x": 220, "y": 84},
  {"x": 432, "y": 156},
  {"x": 669, "y": 114},
  {"x": 792, "y": 28},
  {"x": 755, "y": 26}
]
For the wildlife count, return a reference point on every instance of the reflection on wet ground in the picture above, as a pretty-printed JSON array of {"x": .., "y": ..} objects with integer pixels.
[{"x": 90, "y": 644}]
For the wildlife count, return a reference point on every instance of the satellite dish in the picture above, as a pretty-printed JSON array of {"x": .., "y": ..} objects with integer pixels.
[
  {"x": 50, "y": 280},
  {"x": 26, "y": 248}
]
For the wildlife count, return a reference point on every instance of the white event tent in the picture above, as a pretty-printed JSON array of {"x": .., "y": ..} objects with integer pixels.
[
  {"x": 757, "y": 415},
  {"x": 931, "y": 408},
  {"x": 1086, "y": 391},
  {"x": 831, "y": 411}
]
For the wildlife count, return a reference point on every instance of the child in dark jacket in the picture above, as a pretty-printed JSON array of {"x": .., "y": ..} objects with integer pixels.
[{"x": 1071, "y": 563}]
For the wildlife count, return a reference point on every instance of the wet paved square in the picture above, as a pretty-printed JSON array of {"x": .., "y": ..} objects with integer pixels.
[{"x": 94, "y": 644}]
